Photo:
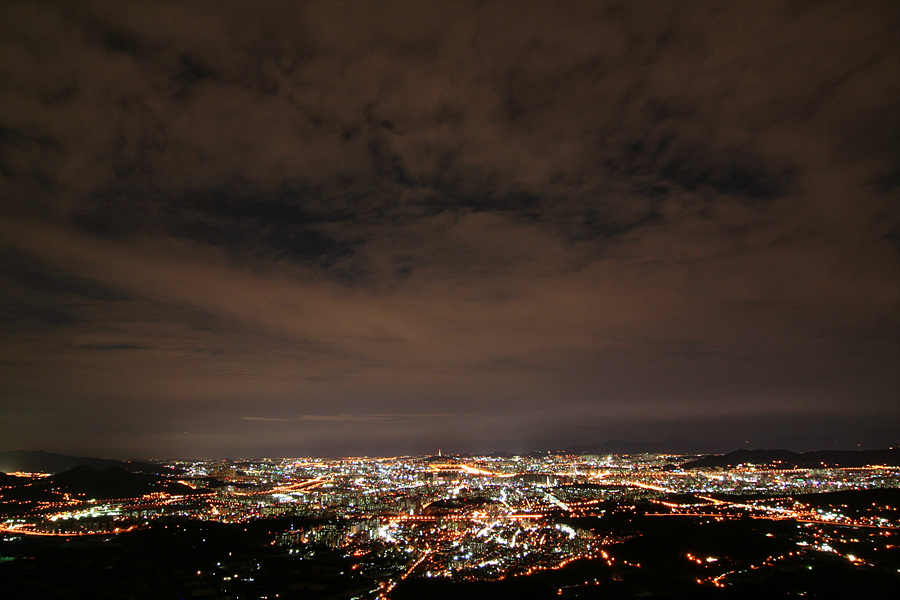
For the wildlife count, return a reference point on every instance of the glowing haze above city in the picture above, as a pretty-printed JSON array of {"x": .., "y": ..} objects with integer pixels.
[{"x": 325, "y": 229}]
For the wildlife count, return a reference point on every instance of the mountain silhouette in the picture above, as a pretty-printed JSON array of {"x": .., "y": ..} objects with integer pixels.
[
  {"x": 38, "y": 461},
  {"x": 89, "y": 483},
  {"x": 807, "y": 460}
]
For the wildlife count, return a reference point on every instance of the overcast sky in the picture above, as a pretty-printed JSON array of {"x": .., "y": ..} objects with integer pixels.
[{"x": 374, "y": 228}]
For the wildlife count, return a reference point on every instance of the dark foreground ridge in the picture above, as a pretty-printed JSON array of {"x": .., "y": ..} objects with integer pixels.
[{"x": 806, "y": 460}]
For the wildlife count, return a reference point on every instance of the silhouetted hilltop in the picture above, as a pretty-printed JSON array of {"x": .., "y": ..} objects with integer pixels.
[
  {"x": 789, "y": 459},
  {"x": 86, "y": 482},
  {"x": 38, "y": 461}
]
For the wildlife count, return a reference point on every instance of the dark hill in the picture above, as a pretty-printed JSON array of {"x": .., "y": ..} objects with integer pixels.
[
  {"x": 38, "y": 461},
  {"x": 87, "y": 482},
  {"x": 6, "y": 480},
  {"x": 458, "y": 504},
  {"x": 111, "y": 483},
  {"x": 807, "y": 460}
]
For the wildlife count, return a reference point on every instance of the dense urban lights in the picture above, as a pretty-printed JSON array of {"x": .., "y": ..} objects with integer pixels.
[{"x": 483, "y": 518}]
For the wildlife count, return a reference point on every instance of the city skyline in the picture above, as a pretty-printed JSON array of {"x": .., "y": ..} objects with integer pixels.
[
  {"x": 325, "y": 229},
  {"x": 531, "y": 527}
]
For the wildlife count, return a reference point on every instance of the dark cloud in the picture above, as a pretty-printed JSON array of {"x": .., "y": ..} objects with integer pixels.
[{"x": 644, "y": 216}]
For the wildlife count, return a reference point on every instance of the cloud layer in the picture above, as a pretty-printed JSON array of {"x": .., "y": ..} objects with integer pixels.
[{"x": 242, "y": 229}]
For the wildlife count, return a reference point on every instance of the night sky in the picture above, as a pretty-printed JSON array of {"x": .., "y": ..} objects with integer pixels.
[{"x": 243, "y": 229}]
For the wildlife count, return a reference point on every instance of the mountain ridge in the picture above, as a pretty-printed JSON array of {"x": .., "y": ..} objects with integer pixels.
[
  {"x": 38, "y": 461},
  {"x": 790, "y": 459}
]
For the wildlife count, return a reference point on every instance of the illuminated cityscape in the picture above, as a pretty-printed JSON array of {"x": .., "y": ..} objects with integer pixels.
[
  {"x": 385, "y": 527},
  {"x": 449, "y": 300}
]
